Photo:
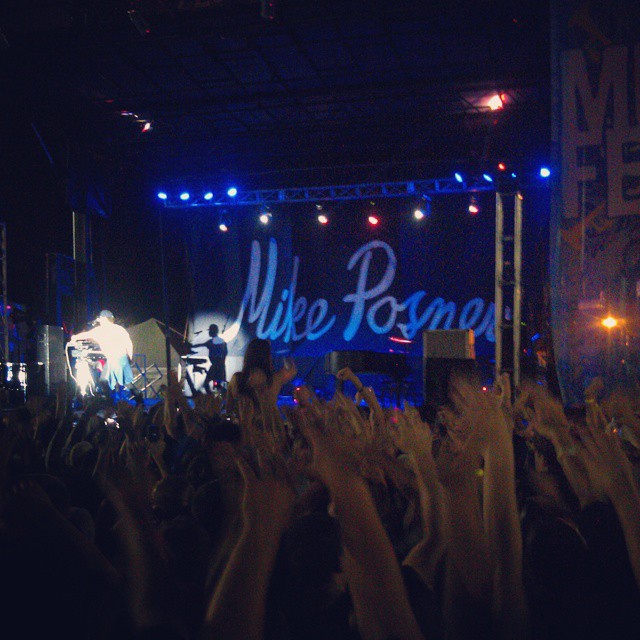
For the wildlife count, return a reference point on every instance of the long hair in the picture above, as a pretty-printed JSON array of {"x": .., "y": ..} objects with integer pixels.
[{"x": 257, "y": 356}]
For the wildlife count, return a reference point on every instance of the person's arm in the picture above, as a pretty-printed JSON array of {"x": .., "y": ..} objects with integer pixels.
[
  {"x": 492, "y": 431},
  {"x": 283, "y": 376},
  {"x": 607, "y": 462},
  {"x": 414, "y": 438},
  {"x": 375, "y": 581},
  {"x": 238, "y": 607},
  {"x": 546, "y": 418},
  {"x": 151, "y": 595},
  {"x": 129, "y": 346},
  {"x": 39, "y": 511},
  {"x": 368, "y": 395}
]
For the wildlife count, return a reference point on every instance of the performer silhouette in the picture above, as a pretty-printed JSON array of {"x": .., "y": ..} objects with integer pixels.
[{"x": 217, "y": 349}]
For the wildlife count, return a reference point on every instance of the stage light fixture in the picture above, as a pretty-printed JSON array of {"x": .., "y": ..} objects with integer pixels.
[
  {"x": 545, "y": 172},
  {"x": 513, "y": 175},
  {"x": 184, "y": 196},
  {"x": 265, "y": 218},
  {"x": 322, "y": 219},
  {"x": 146, "y": 127},
  {"x": 458, "y": 177},
  {"x": 223, "y": 227},
  {"x": 208, "y": 195},
  {"x": 232, "y": 192},
  {"x": 609, "y": 322},
  {"x": 487, "y": 177},
  {"x": 162, "y": 195},
  {"x": 373, "y": 220},
  {"x": 474, "y": 208},
  {"x": 418, "y": 214},
  {"x": 495, "y": 102},
  {"x": 502, "y": 166}
]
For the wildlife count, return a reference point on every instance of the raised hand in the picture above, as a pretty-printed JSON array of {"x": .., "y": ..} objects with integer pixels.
[
  {"x": 304, "y": 396},
  {"x": 605, "y": 460},
  {"x": 604, "y": 457},
  {"x": 238, "y": 606},
  {"x": 268, "y": 496}
]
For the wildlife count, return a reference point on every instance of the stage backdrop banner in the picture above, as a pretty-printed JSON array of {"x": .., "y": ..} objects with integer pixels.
[
  {"x": 595, "y": 242},
  {"x": 347, "y": 286}
]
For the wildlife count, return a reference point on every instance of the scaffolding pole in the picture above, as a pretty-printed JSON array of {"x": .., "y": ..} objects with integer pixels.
[{"x": 508, "y": 285}]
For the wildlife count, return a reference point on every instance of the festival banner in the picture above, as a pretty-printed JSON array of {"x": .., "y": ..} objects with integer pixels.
[
  {"x": 595, "y": 242},
  {"x": 312, "y": 289}
]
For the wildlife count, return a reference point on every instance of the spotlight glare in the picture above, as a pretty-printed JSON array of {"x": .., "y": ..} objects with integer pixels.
[
  {"x": 495, "y": 102},
  {"x": 502, "y": 166},
  {"x": 487, "y": 177},
  {"x": 146, "y": 127},
  {"x": 473, "y": 206},
  {"x": 457, "y": 176},
  {"x": 418, "y": 214},
  {"x": 373, "y": 220},
  {"x": 208, "y": 195},
  {"x": 609, "y": 322},
  {"x": 223, "y": 227},
  {"x": 232, "y": 192},
  {"x": 265, "y": 218},
  {"x": 322, "y": 219},
  {"x": 545, "y": 172},
  {"x": 184, "y": 196},
  {"x": 162, "y": 195}
]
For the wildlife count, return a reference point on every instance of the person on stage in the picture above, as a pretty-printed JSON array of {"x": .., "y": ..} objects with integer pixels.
[
  {"x": 256, "y": 388},
  {"x": 217, "y": 348},
  {"x": 115, "y": 343}
]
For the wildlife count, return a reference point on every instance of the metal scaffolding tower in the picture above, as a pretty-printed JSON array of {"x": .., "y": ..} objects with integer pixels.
[{"x": 508, "y": 285}]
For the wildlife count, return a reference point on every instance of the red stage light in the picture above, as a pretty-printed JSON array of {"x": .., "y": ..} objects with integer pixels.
[
  {"x": 322, "y": 219},
  {"x": 502, "y": 166},
  {"x": 373, "y": 220}
]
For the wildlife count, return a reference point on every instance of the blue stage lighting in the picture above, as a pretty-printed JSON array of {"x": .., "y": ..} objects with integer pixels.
[
  {"x": 184, "y": 196},
  {"x": 545, "y": 172},
  {"x": 232, "y": 192},
  {"x": 208, "y": 195},
  {"x": 457, "y": 176},
  {"x": 162, "y": 195},
  {"x": 487, "y": 177}
]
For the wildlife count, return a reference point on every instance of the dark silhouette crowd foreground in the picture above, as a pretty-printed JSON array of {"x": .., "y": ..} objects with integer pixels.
[{"x": 502, "y": 519}]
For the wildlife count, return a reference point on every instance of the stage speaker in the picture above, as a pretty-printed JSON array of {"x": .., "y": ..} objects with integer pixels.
[
  {"x": 446, "y": 353},
  {"x": 50, "y": 351},
  {"x": 449, "y": 343}
]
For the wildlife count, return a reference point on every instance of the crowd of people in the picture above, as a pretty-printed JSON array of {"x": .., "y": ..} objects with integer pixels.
[{"x": 233, "y": 518}]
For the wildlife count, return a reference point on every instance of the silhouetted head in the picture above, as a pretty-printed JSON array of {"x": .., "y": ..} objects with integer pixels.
[
  {"x": 258, "y": 356},
  {"x": 213, "y": 330}
]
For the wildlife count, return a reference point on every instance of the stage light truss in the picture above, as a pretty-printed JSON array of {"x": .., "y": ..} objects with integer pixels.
[{"x": 363, "y": 191}]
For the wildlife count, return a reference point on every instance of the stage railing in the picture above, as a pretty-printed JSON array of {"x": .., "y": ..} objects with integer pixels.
[{"x": 146, "y": 377}]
